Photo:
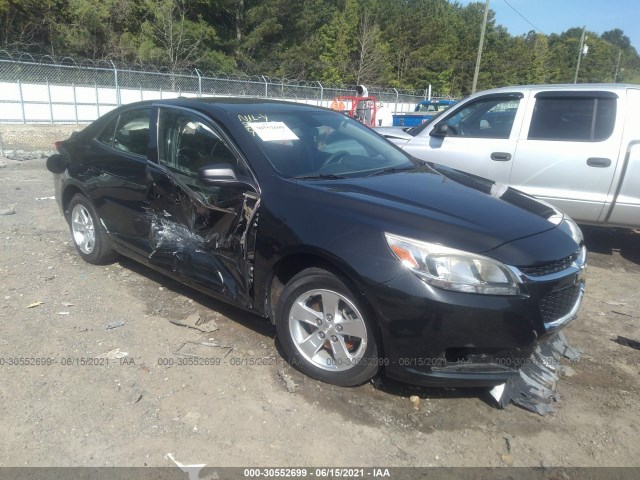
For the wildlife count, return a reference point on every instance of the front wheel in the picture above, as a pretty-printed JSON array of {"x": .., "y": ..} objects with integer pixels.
[{"x": 324, "y": 331}]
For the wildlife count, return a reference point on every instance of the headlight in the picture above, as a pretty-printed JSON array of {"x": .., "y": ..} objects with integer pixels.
[{"x": 453, "y": 269}]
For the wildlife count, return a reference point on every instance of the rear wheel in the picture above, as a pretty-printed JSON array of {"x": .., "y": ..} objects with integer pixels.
[
  {"x": 324, "y": 330},
  {"x": 89, "y": 236}
]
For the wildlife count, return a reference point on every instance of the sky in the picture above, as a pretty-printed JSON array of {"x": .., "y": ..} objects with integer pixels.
[{"x": 556, "y": 16}]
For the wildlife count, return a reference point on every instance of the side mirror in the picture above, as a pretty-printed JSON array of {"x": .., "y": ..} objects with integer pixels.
[
  {"x": 440, "y": 131},
  {"x": 218, "y": 173},
  {"x": 57, "y": 163}
]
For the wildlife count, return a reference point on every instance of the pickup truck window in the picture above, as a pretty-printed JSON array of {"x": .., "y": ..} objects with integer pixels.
[
  {"x": 586, "y": 119},
  {"x": 485, "y": 118}
]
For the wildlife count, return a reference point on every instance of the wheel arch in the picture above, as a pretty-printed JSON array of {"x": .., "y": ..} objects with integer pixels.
[
  {"x": 67, "y": 194},
  {"x": 294, "y": 262}
]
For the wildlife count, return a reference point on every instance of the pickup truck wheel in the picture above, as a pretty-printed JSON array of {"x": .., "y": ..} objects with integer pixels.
[
  {"x": 88, "y": 234},
  {"x": 324, "y": 331}
]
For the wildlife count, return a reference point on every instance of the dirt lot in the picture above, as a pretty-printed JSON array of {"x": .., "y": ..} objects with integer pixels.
[{"x": 135, "y": 410}]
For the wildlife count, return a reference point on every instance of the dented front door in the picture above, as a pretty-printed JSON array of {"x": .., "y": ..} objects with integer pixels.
[{"x": 203, "y": 233}]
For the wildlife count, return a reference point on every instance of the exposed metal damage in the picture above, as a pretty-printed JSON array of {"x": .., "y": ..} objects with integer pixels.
[
  {"x": 207, "y": 240},
  {"x": 535, "y": 388}
]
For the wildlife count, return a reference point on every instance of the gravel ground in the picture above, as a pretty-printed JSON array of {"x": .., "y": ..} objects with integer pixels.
[{"x": 246, "y": 407}]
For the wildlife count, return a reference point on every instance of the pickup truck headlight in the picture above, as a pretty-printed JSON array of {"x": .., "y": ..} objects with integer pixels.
[{"x": 453, "y": 269}]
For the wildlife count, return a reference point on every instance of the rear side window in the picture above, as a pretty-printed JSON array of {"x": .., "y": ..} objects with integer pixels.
[
  {"x": 132, "y": 132},
  {"x": 574, "y": 118},
  {"x": 106, "y": 136}
]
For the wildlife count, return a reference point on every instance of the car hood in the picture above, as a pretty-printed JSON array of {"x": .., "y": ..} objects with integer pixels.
[
  {"x": 397, "y": 135},
  {"x": 441, "y": 205}
]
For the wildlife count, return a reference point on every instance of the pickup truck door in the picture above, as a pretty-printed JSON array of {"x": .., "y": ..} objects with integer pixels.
[
  {"x": 624, "y": 205},
  {"x": 477, "y": 136},
  {"x": 568, "y": 150}
]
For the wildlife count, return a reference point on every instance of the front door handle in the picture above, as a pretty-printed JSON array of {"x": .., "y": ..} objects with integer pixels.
[
  {"x": 501, "y": 156},
  {"x": 598, "y": 162}
]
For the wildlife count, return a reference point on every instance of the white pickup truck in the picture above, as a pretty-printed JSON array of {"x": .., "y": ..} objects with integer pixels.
[{"x": 575, "y": 146}]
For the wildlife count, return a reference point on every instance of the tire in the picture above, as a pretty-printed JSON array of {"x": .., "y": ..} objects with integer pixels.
[
  {"x": 88, "y": 234},
  {"x": 313, "y": 316}
]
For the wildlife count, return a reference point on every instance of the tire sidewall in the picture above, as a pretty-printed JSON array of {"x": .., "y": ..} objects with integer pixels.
[
  {"x": 102, "y": 252},
  {"x": 313, "y": 279}
]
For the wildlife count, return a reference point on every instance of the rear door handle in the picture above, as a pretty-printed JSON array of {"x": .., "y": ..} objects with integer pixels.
[
  {"x": 598, "y": 162},
  {"x": 501, "y": 156}
]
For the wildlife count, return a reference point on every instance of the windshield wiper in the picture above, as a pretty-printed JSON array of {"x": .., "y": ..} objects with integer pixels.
[
  {"x": 391, "y": 170},
  {"x": 320, "y": 176}
]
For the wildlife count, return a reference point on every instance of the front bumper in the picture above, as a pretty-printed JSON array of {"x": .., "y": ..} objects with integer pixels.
[{"x": 436, "y": 337}]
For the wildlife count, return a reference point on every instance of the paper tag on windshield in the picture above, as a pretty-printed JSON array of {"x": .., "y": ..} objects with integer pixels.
[{"x": 272, "y": 131}]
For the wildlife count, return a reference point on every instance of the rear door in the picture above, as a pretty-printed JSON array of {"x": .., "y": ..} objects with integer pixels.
[
  {"x": 568, "y": 150},
  {"x": 203, "y": 233},
  {"x": 481, "y": 136},
  {"x": 118, "y": 162},
  {"x": 625, "y": 195}
]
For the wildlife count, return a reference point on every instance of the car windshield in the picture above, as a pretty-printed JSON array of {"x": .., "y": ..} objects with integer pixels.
[{"x": 323, "y": 145}]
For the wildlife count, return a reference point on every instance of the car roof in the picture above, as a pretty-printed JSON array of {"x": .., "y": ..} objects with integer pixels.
[
  {"x": 563, "y": 86},
  {"x": 436, "y": 102},
  {"x": 233, "y": 105}
]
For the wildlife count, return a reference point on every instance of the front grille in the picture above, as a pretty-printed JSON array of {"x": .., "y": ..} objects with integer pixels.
[
  {"x": 557, "y": 304},
  {"x": 549, "y": 268}
]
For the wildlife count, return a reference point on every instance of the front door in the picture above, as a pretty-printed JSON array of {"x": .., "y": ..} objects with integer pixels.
[
  {"x": 201, "y": 232},
  {"x": 480, "y": 139}
]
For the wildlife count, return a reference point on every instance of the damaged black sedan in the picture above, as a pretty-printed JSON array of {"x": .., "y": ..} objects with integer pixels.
[{"x": 365, "y": 259}]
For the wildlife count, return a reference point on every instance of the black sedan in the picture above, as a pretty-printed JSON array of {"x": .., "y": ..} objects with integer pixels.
[{"x": 364, "y": 258}]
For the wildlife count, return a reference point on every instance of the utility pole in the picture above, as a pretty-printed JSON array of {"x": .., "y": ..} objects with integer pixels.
[
  {"x": 615, "y": 76},
  {"x": 484, "y": 27},
  {"x": 584, "y": 29}
]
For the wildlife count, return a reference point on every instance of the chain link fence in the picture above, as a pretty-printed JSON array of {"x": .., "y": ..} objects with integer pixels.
[{"x": 65, "y": 94}]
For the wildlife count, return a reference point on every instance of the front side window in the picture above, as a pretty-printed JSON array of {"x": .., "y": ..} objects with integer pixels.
[
  {"x": 132, "y": 132},
  {"x": 583, "y": 119},
  {"x": 484, "y": 118},
  {"x": 186, "y": 143}
]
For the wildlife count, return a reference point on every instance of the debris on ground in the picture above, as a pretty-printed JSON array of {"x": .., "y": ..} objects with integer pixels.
[
  {"x": 195, "y": 321},
  {"x": 114, "y": 354},
  {"x": 203, "y": 350},
  {"x": 35, "y": 304},
  {"x": 535, "y": 387},
  {"x": 112, "y": 325},
  {"x": 63, "y": 313},
  {"x": 192, "y": 470},
  {"x": 67, "y": 304},
  {"x": 507, "y": 459},
  {"x": 627, "y": 342},
  {"x": 8, "y": 211},
  {"x": 415, "y": 401},
  {"x": 567, "y": 371},
  {"x": 46, "y": 198},
  {"x": 286, "y": 380},
  {"x": 615, "y": 304}
]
